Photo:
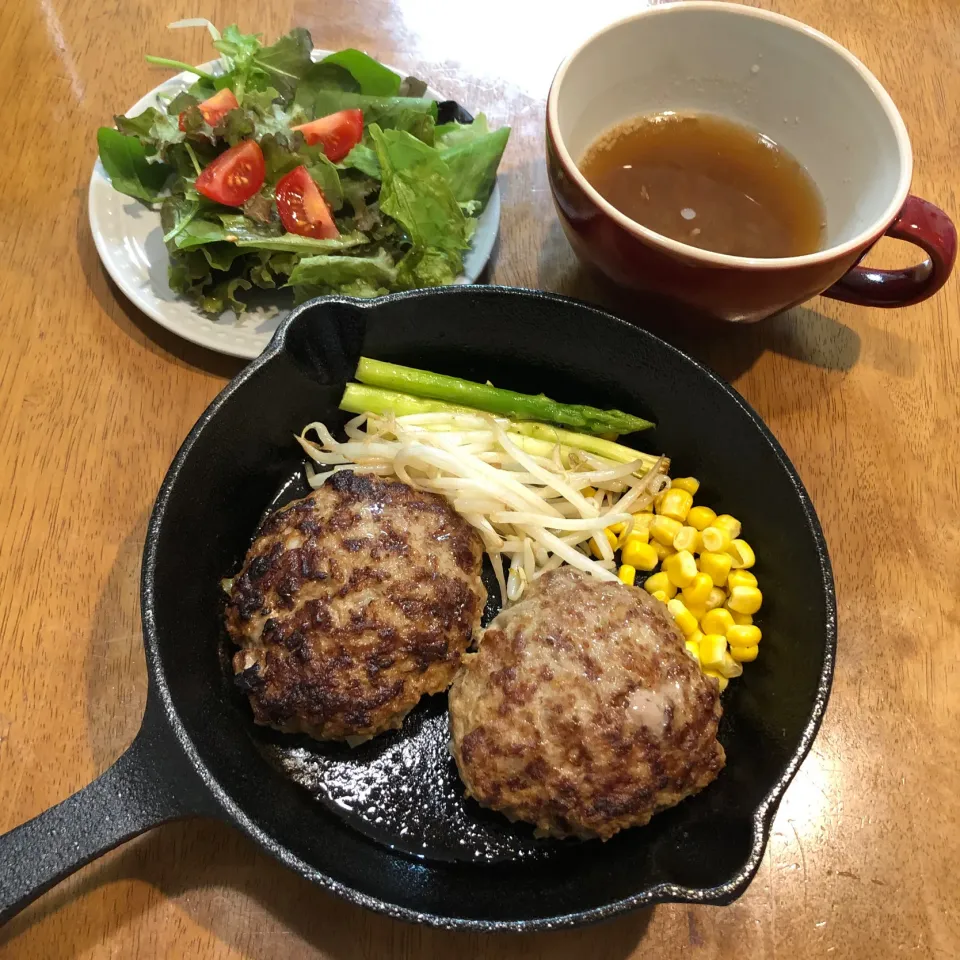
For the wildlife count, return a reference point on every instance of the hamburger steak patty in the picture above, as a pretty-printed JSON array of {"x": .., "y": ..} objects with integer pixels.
[
  {"x": 353, "y": 603},
  {"x": 582, "y": 712}
]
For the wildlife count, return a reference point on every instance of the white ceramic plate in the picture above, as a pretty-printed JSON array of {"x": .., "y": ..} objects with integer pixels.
[{"x": 129, "y": 240}]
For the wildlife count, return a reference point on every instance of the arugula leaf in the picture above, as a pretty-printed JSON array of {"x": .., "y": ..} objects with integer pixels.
[
  {"x": 387, "y": 112},
  {"x": 324, "y": 76},
  {"x": 286, "y": 61},
  {"x": 128, "y": 166},
  {"x": 325, "y": 174},
  {"x": 374, "y": 78},
  {"x": 416, "y": 192}
]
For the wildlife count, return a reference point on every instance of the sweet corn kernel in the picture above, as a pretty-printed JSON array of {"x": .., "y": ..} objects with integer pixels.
[
  {"x": 713, "y": 649},
  {"x": 687, "y": 539},
  {"x": 696, "y": 592},
  {"x": 742, "y": 553},
  {"x": 741, "y": 578},
  {"x": 741, "y": 619},
  {"x": 697, "y": 609},
  {"x": 611, "y": 539},
  {"x": 744, "y": 654},
  {"x": 730, "y": 668},
  {"x": 745, "y": 600},
  {"x": 716, "y": 540},
  {"x": 719, "y": 677},
  {"x": 660, "y": 581},
  {"x": 681, "y": 568},
  {"x": 676, "y": 504},
  {"x": 743, "y": 635},
  {"x": 638, "y": 554},
  {"x": 588, "y": 492},
  {"x": 693, "y": 647},
  {"x": 682, "y": 617},
  {"x": 701, "y": 517},
  {"x": 640, "y": 528},
  {"x": 717, "y": 621},
  {"x": 660, "y": 595},
  {"x": 617, "y": 528},
  {"x": 716, "y": 598},
  {"x": 716, "y": 566},
  {"x": 690, "y": 484},
  {"x": 728, "y": 523},
  {"x": 665, "y": 530},
  {"x": 662, "y": 550},
  {"x": 627, "y": 574}
]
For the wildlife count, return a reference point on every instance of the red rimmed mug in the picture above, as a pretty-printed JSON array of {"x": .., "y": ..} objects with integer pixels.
[{"x": 792, "y": 83}]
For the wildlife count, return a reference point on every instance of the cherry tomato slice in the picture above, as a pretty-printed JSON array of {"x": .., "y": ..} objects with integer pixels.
[
  {"x": 215, "y": 108},
  {"x": 302, "y": 208},
  {"x": 339, "y": 133},
  {"x": 235, "y": 176}
]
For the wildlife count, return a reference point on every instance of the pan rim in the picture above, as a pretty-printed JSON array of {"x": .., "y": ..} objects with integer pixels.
[{"x": 762, "y": 816}]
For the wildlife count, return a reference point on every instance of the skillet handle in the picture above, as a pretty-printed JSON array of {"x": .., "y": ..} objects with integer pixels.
[{"x": 152, "y": 783}]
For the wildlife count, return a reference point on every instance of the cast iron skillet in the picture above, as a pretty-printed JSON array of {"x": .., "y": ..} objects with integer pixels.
[{"x": 386, "y": 825}]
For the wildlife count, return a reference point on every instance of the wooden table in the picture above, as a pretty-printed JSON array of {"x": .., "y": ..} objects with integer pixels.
[{"x": 863, "y": 858}]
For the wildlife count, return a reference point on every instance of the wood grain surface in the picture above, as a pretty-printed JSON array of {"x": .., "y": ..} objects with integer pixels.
[{"x": 95, "y": 399}]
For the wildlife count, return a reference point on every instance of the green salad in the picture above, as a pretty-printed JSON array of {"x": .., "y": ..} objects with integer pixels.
[{"x": 331, "y": 177}]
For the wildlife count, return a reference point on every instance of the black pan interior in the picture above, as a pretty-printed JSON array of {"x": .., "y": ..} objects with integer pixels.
[{"x": 386, "y": 824}]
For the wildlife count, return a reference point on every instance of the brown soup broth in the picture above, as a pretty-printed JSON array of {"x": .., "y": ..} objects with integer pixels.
[{"x": 709, "y": 182}]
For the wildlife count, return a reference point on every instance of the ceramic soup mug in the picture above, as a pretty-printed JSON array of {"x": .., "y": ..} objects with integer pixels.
[{"x": 786, "y": 80}]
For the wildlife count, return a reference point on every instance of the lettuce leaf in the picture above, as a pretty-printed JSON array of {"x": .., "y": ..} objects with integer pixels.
[
  {"x": 364, "y": 276},
  {"x": 472, "y": 157},
  {"x": 416, "y": 192}
]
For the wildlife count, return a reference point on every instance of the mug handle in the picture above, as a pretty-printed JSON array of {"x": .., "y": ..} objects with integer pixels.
[{"x": 928, "y": 227}]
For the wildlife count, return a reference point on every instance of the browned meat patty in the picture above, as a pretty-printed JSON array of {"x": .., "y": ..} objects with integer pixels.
[
  {"x": 352, "y": 604},
  {"x": 582, "y": 713}
]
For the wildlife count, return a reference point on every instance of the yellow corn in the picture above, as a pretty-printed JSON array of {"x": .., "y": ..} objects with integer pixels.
[
  {"x": 741, "y": 619},
  {"x": 693, "y": 647},
  {"x": 641, "y": 526},
  {"x": 713, "y": 648},
  {"x": 690, "y": 484},
  {"x": 743, "y": 635},
  {"x": 687, "y": 539},
  {"x": 627, "y": 574},
  {"x": 617, "y": 528},
  {"x": 681, "y": 568},
  {"x": 716, "y": 566},
  {"x": 662, "y": 550},
  {"x": 683, "y": 618},
  {"x": 730, "y": 668},
  {"x": 665, "y": 529},
  {"x": 696, "y": 592},
  {"x": 716, "y": 598},
  {"x": 638, "y": 554},
  {"x": 588, "y": 492},
  {"x": 660, "y": 595},
  {"x": 660, "y": 581},
  {"x": 701, "y": 517},
  {"x": 717, "y": 621},
  {"x": 742, "y": 553},
  {"x": 611, "y": 539},
  {"x": 719, "y": 677},
  {"x": 728, "y": 523},
  {"x": 676, "y": 504},
  {"x": 715, "y": 540},
  {"x": 741, "y": 578},
  {"x": 744, "y": 654},
  {"x": 745, "y": 600},
  {"x": 697, "y": 609}
]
